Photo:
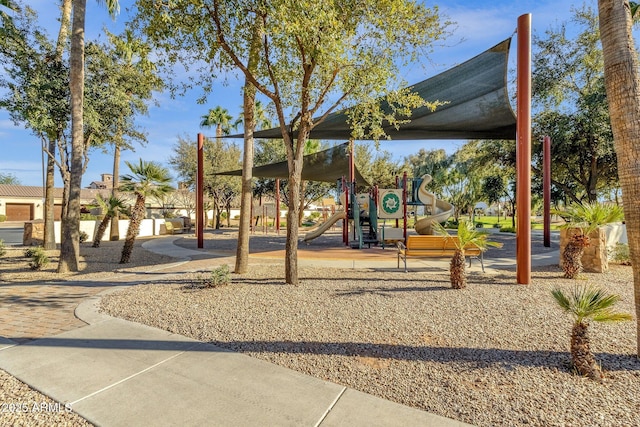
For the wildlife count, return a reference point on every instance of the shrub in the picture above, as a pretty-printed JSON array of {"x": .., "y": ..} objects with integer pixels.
[
  {"x": 3, "y": 251},
  {"x": 88, "y": 217},
  {"x": 83, "y": 237},
  {"x": 508, "y": 229},
  {"x": 3, "y": 218},
  {"x": 38, "y": 257},
  {"x": 620, "y": 254},
  {"x": 314, "y": 215},
  {"x": 220, "y": 276}
]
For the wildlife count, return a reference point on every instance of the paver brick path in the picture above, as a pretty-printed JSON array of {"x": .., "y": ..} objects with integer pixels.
[{"x": 30, "y": 311}]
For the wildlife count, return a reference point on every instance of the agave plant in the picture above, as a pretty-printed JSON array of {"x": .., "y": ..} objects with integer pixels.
[
  {"x": 467, "y": 235},
  {"x": 109, "y": 207},
  {"x": 584, "y": 304},
  {"x": 585, "y": 218}
]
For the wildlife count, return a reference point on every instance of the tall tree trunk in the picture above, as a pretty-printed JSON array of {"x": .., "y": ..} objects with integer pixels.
[
  {"x": 246, "y": 200},
  {"x": 49, "y": 198},
  {"x": 623, "y": 95},
  {"x": 303, "y": 186},
  {"x": 137, "y": 215},
  {"x": 70, "y": 242},
  {"x": 114, "y": 233},
  {"x": 100, "y": 231},
  {"x": 293, "y": 213}
]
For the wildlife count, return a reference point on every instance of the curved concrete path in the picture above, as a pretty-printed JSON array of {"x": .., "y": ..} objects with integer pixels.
[{"x": 118, "y": 373}]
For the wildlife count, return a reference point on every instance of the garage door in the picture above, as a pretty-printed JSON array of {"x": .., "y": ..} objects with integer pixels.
[{"x": 19, "y": 211}]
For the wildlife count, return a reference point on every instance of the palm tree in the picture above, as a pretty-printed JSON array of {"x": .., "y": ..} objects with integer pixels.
[
  {"x": 146, "y": 179},
  {"x": 585, "y": 218},
  {"x": 622, "y": 80},
  {"x": 587, "y": 303},
  {"x": 218, "y": 117},
  {"x": 467, "y": 236},
  {"x": 70, "y": 232},
  {"x": 110, "y": 208}
]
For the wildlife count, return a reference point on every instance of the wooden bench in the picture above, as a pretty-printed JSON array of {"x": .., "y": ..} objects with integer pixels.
[
  {"x": 427, "y": 246},
  {"x": 175, "y": 227}
]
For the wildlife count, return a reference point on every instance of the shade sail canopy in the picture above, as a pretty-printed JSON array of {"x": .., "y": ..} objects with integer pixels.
[
  {"x": 324, "y": 166},
  {"x": 477, "y": 105}
]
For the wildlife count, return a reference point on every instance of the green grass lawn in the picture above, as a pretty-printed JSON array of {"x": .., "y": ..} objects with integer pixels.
[{"x": 490, "y": 221}]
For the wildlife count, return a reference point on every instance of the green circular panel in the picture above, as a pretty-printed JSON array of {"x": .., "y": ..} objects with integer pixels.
[{"x": 391, "y": 203}]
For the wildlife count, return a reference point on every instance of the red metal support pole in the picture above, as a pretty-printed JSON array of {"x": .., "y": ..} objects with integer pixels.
[
  {"x": 278, "y": 206},
  {"x": 200, "y": 193},
  {"x": 345, "y": 223},
  {"x": 523, "y": 153},
  {"x": 546, "y": 189},
  {"x": 404, "y": 204}
]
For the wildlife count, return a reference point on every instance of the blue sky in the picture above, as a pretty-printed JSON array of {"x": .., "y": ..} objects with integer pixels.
[{"x": 479, "y": 25}]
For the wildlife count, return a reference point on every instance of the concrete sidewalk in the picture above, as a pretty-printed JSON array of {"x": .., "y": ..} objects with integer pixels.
[
  {"x": 114, "y": 372},
  {"x": 118, "y": 373}
]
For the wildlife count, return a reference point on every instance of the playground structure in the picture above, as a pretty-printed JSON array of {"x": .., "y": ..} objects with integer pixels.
[
  {"x": 477, "y": 107},
  {"x": 366, "y": 214}
]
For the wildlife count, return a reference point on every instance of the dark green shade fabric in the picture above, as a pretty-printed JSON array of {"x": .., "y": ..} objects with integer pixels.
[
  {"x": 477, "y": 105},
  {"x": 324, "y": 166}
]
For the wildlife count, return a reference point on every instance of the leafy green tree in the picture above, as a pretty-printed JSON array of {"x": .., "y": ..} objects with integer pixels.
[
  {"x": 494, "y": 188},
  {"x": 431, "y": 162},
  {"x": 583, "y": 304},
  {"x": 147, "y": 179},
  {"x": 316, "y": 57},
  {"x": 378, "y": 169},
  {"x": 462, "y": 185},
  {"x": 9, "y": 179},
  {"x": 37, "y": 83},
  {"x": 569, "y": 93},
  {"x": 219, "y": 156}
]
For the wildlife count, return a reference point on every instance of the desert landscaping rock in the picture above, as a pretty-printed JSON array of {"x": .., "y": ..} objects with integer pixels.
[{"x": 493, "y": 354}]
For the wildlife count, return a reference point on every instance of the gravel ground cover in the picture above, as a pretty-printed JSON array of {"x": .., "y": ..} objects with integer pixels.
[
  {"x": 492, "y": 354},
  {"x": 20, "y": 405}
]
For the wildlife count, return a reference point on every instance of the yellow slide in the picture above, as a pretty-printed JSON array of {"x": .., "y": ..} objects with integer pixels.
[{"x": 324, "y": 226}]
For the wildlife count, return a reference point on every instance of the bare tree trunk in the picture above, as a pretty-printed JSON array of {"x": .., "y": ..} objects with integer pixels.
[
  {"x": 49, "y": 198},
  {"x": 303, "y": 186},
  {"x": 246, "y": 200},
  {"x": 137, "y": 215},
  {"x": 70, "y": 242},
  {"x": 623, "y": 95},
  {"x": 242, "y": 251},
  {"x": 114, "y": 233},
  {"x": 293, "y": 215}
]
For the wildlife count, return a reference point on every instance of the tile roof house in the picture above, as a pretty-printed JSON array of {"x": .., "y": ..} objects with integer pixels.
[{"x": 26, "y": 203}]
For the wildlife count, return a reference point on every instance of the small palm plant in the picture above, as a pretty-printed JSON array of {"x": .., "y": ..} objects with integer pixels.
[
  {"x": 146, "y": 179},
  {"x": 586, "y": 218},
  {"x": 467, "y": 236},
  {"x": 110, "y": 208},
  {"x": 584, "y": 304}
]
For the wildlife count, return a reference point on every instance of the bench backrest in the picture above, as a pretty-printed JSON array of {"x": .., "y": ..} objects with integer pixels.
[{"x": 429, "y": 242}]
